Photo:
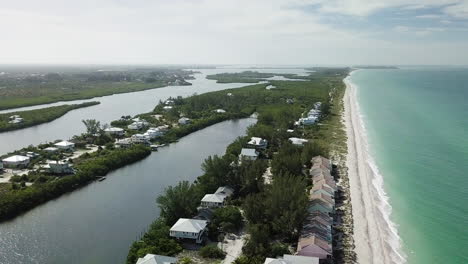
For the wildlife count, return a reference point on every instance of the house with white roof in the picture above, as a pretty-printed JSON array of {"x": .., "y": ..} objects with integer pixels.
[
  {"x": 249, "y": 154},
  {"x": 168, "y": 107},
  {"x": 258, "y": 143},
  {"x": 292, "y": 259},
  {"x": 186, "y": 228},
  {"x": 156, "y": 259},
  {"x": 65, "y": 145},
  {"x": 139, "y": 139},
  {"x": 123, "y": 143},
  {"x": 220, "y": 111},
  {"x": 114, "y": 131},
  {"x": 298, "y": 141},
  {"x": 50, "y": 149},
  {"x": 16, "y": 161},
  {"x": 184, "y": 121},
  {"x": 60, "y": 167},
  {"x": 218, "y": 198}
]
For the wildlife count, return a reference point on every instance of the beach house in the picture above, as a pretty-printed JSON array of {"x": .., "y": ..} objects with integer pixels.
[
  {"x": 156, "y": 259},
  {"x": 184, "y": 121},
  {"x": 192, "y": 229},
  {"x": 218, "y": 198},
  {"x": 298, "y": 141},
  {"x": 114, "y": 131},
  {"x": 248, "y": 154},
  {"x": 292, "y": 259},
  {"x": 257, "y": 143},
  {"x": 16, "y": 161},
  {"x": 60, "y": 167},
  {"x": 65, "y": 145},
  {"x": 50, "y": 149}
]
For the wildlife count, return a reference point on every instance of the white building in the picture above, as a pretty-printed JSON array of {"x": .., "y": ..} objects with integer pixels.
[
  {"x": 137, "y": 125},
  {"x": 51, "y": 150},
  {"x": 65, "y": 145},
  {"x": 114, "y": 131},
  {"x": 60, "y": 167},
  {"x": 184, "y": 121},
  {"x": 220, "y": 111},
  {"x": 168, "y": 107},
  {"x": 139, "y": 139},
  {"x": 218, "y": 198},
  {"x": 249, "y": 154},
  {"x": 292, "y": 259},
  {"x": 257, "y": 142},
  {"x": 298, "y": 141},
  {"x": 16, "y": 161},
  {"x": 16, "y": 121},
  {"x": 156, "y": 259},
  {"x": 189, "y": 229},
  {"x": 123, "y": 143}
]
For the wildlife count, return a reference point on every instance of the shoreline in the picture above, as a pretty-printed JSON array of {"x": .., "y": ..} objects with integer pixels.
[{"x": 375, "y": 235}]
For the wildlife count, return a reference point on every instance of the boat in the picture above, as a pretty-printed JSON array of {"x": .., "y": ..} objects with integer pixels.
[
  {"x": 101, "y": 179},
  {"x": 154, "y": 147}
]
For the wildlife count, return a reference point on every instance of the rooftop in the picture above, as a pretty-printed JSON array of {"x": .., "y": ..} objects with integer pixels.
[{"x": 189, "y": 225}]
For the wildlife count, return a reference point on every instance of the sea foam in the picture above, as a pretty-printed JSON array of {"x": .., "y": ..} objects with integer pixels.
[{"x": 387, "y": 227}]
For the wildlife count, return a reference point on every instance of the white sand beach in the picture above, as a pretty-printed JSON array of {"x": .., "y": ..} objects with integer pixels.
[{"x": 375, "y": 236}]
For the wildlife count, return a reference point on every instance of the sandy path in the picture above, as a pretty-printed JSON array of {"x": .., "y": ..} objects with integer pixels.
[{"x": 375, "y": 236}]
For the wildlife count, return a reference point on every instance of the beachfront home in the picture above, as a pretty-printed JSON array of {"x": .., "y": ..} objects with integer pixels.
[
  {"x": 139, "y": 139},
  {"x": 184, "y": 121},
  {"x": 137, "y": 125},
  {"x": 313, "y": 250},
  {"x": 65, "y": 145},
  {"x": 258, "y": 143},
  {"x": 60, "y": 167},
  {"x": 218, "y": 198},
  {"x": 51, "y": 150},
  {"x": 248, "y": 154},
  {"x": 16, "y": 161},
  {"x": 156, "y": 259},
  {"x": 298, "y": 141},
  {"x": 114, "y": 131},
  {"x": 16, "y": 121},
  {"x": 321, "y": 162},
  {"x": 292, "y": 259},
  {"x": 123, "y": 143},
  {"x": 189, "y": 229}
]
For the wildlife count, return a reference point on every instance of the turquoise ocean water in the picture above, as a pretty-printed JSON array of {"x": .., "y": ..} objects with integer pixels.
[{"x": 417, "y": 125}]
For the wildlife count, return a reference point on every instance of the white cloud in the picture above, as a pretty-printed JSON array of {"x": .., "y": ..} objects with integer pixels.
[{"x": 201, "y": 31}]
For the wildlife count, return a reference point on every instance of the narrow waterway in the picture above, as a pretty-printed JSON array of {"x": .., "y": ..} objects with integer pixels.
[
  {"x": 97, "y": 223},
  {"x": 111, "y": 108}
]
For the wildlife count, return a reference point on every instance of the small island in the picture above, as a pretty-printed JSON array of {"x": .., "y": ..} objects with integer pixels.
[{"x": 23, "y": 119}]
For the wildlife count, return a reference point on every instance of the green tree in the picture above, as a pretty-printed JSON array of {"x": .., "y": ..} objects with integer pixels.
[
  {"x": 92, "y": 126},
  {"x": 179, "y": 202}
]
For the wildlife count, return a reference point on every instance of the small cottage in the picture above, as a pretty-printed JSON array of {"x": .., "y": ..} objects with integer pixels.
[
  {"x": 65, "y": 145},
  {"x": 248, "y": 154},
  {"x": 16, "y": 161},
  {"x": 156, "y": 259},
  {"x": 189, "y": 229}
]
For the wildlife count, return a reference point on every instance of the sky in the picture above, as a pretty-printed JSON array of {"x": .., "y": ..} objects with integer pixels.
[{"x": 289, "y": 32}]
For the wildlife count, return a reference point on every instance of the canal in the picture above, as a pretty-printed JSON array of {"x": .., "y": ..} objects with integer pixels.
[{"x": 97, "y": 223}]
